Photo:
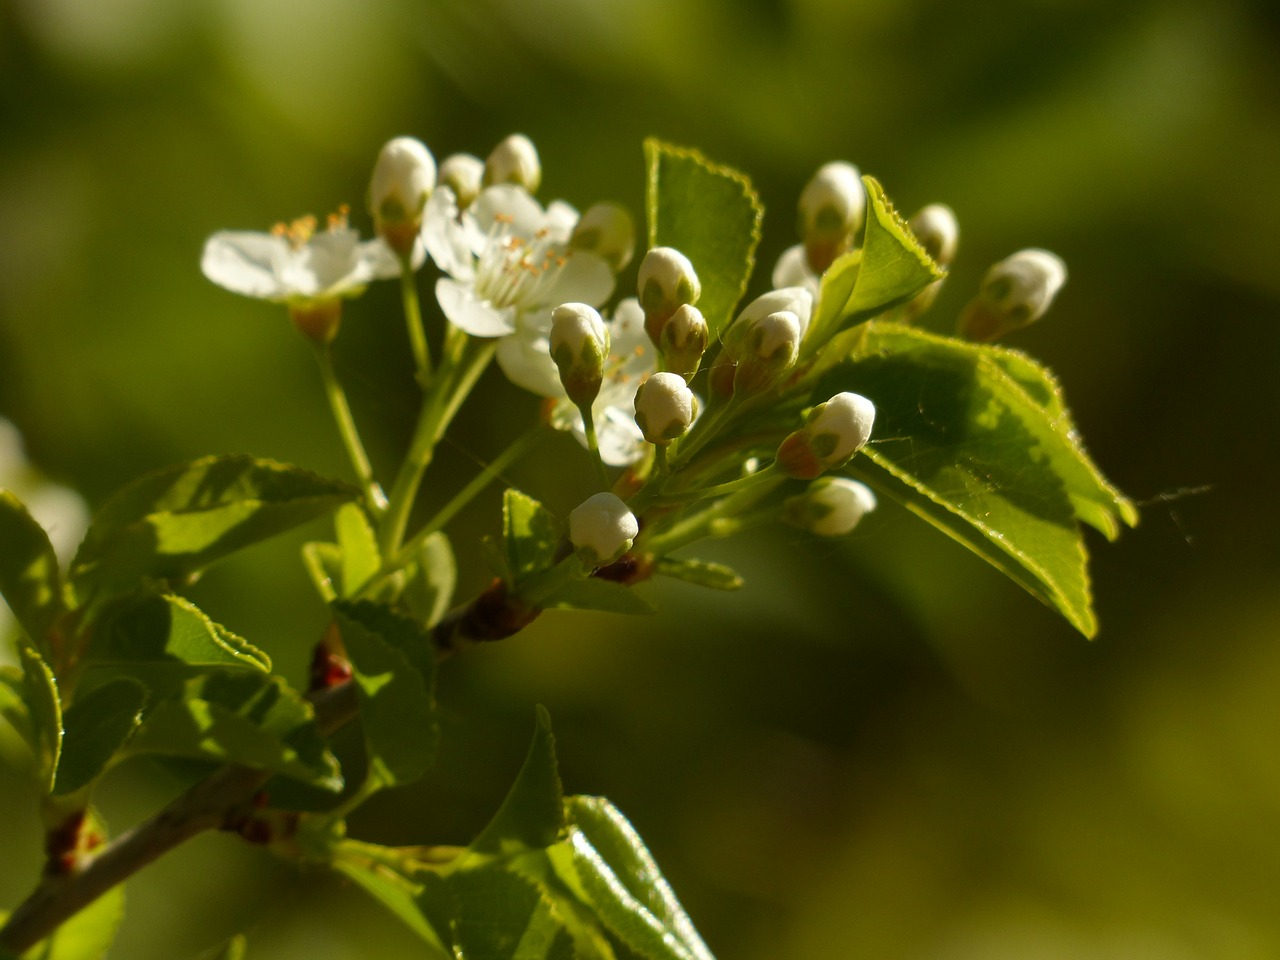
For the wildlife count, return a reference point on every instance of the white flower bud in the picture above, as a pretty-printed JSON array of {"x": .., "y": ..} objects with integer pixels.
[
  {"x": 1015, "y": 292},
  {"x": 608, "y": 231},
  {"x": 514, "y": 160},
  {"x": 767, "y": 350},
  {"x": 684, "y": 340},
  {"x": 831, "y": 507},
  {"x": 665, "y": 408},
  {"x": 403, "y": 178},
  {"x": 602, "y": 529},
  {"x": 833, "y": 432},
  {"x": 579, "y": 343},
  {"x": 798, "y": 300},
  {"x": 936, "y": 229},
  {"x": 666, "y": 281},
  {"x": 832, "y": 207},
  {"x": 462, "y": 173}
]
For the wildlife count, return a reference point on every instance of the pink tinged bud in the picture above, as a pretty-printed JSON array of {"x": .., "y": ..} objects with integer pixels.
[
  {"x": 666, "y": 281},
  {"x": 514, "y": 160},
  {"x": 767, "y": 350},
  {"x": 831, "y": 507},
  {"x": 462, "y": 173},
  {"x": 579, "y": 343},
  {"x": 1015, "y": 292},
  {"x": 403, "y": 178},
  {"x": 602, "y": 529},
  {"x": 608, "y": 231},
  {"x": 833, "y": 432},
  {"x": 684, "y": 340},
  {"x": 831, "y": 210},
  {"x": 665, "y": 408}
]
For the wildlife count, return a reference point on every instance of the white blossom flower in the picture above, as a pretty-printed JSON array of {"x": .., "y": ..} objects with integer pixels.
[
  {"x": 602, "y": 529},
  {"x": 508, "y": 261},
  {"x": 297, "y": 264}
]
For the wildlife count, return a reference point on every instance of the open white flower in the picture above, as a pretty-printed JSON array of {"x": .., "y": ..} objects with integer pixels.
[
  {"x": 509, "y": 261},
  {"x": 297, "y": 264}
]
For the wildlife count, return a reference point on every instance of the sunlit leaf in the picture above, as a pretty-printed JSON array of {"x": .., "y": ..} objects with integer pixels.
[
  {"x": 431, "y": 579},
  {"x": 161, "y": 631},
  {"x": 29, "y": 577},
  {"x": 593, "y": 593},
  {"x": 44, "y": 713},
  {"x": 702, "y": 572},
  {"x": 95, "y": 726},
  {"x": 393, "y": 890},
  {"x": 530, "y": 533},
  {"x": 503, "y": 916},
  {"x": 712, "y": 215},
  {"x": 532, "y": 815}
]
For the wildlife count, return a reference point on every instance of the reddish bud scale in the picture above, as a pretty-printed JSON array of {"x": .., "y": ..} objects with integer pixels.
[{"x": 797, "y": 459}]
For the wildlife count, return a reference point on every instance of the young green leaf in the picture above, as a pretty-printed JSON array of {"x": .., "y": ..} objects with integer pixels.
[
  {"x": 233, "y": 949},
  {"x": 394, "y": 891},
  {"x": 593, "y": 593},
  {"x": 176, "y": 521},
  {"x": 323, "y": 563},
  {"x": 244, "y": 718},
  {"x": 388, "y": 655},
  {"x": 44, "y": 713},
  {"x": 503, "y": 916},
  {"x": 95, "y": 726},
  {"x": 889, "y": 269},
  {"x": 29, "y": 577},
  {"x": 530, "y": 532},
  {"x": 430, "y": 580},
  {"x": 359, "y": 544},
  {"x": 532, "y": 815},
  {"x": 965, "y": 446},
  {"x": 163, "y": 633},
  {"x": 702, "y": 572},
  {"x": 712, "y": 215}
]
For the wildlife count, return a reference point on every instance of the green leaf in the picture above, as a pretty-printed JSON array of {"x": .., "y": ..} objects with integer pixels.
[
  {"x": 44, "y": 713},
  {"x": 388, "y": 656},
  {"x": 177, "y": 521},
  {"x": 965, "y": 446},
  {"x": 890, "y": 268},
  {"x": 702, "y": 572},
  {"x": 323, "y": 563},
  {"x": 530, "y": 532},
  {"x": 29, "y": 578},
  {"x": 360, "y": 557},
  {"x": 244, "y": 718},
  {"x": 166, "y": 635},
  {"x": 503, "y": 916},
  {"x": 430, "y": 580},
  {"x": 606, "y": 865},
  {"x": 532, "y": 815},
  {"x": 592, "y": 593},
  {"x": 95, "y": 726},
  {"x": 711, "y": 214},
  {"x": 393, "y": 890},
  {"x": 233, "y": 949},
  {"x": 13, "y": 708}
]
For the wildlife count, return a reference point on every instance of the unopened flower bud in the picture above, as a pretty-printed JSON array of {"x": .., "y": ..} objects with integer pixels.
[
  {"x": 767, "y": 350},
  {"x": 936, "y": 230},
  {"x": 666, "y": 281},
  {"x": 403, "y": 178},
  {"x": 602, "y": 529},
  {"x": 665, "y": 408},
  {"x": 831, "y": 507},
  {"x": 832, "y": 206},
  {"x": 514, "y": 160},
  {"x": 1015, "y": 292},
  {"x": 797, "y": 300},
  {"x": 462, "y": 173},
  {"x": 579, "y": 342},
  {"x": 684, "y": 341},
  {"x": 608, "y": 231},
  {"x": 832, "y": 433}
]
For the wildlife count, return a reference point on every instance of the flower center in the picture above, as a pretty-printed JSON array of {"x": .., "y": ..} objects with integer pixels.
[
  {"x": 518, "y": 271},
  {"x": 299, "y": 232}
]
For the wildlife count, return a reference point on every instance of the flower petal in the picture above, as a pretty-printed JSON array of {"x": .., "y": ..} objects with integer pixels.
[
  {"x": 792, "y": 270},
  {"x": 247, "y": 263},
  {"x": 584, "y": 278},
  {"x": 521, "y": 213},
  {"x": 446, "y": 240},
  {"x": 468, "y": 312},
  {"x": 527, "y": 363}
]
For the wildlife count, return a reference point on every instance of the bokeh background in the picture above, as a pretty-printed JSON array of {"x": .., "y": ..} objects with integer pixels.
[{"x": 880, "y": 748}]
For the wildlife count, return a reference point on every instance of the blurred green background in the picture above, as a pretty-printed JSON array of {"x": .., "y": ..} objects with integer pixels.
[{"x": 880, "y": 748}]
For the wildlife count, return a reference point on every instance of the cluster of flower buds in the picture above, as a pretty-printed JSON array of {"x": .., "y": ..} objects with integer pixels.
[
  {"x": 832, "y": 433},
  {"x": 1015, "y": 292},
  {"x": 602, "y": 529},
  {"x": 666, "y": 282},
  {"x": 762, "y": 343},
  {"x": 830, "y": 507}
]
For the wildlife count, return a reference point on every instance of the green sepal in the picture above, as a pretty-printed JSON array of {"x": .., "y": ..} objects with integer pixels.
[
  {"x": 532, "y": 815},
  {"x": 592, "y": 593},
  {"x": 174, "y": 522},
  {"x": 95, "y": 727},
  {"x": 704, "y": 573},
  {"x": 30, "y": 581},
  {"x": 393, "y": 664},
  {"x": 530, "y": 533},
  {"x": 246, "y": 718},
  {"x": 712, "y": 215},
  {"x": 430, "y": 580},
  {"x": 966, "y": 446},
  {"x": 888, "y": 269}
]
